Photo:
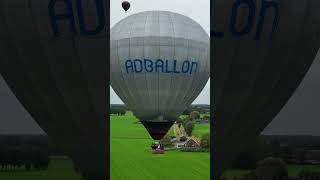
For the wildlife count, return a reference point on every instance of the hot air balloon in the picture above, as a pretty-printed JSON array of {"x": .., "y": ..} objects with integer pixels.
[
  {"x": 262, "y": 50},
  {"x": 159, "y": 63},
  {"x": 46, "y": 57},
  {"x": 126, "y": 5}
]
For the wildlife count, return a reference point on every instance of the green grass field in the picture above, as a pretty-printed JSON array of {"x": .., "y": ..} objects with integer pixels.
[
  {"x": 59, "y": 169},
  {"x": 131, "y": 158}
]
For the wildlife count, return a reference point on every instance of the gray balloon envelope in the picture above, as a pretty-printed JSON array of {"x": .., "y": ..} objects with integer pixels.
[
  {"x": 53, "y": 57},
  {"x": 159, "y": 63},
  {"x": 262, "y": 49}
]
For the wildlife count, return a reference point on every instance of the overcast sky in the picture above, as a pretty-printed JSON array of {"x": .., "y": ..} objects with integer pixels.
[{"x": 199, "y": 11}]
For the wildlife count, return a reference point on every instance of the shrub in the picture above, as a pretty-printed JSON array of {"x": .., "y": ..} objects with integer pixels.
[
  {"x": 76, "y": 167},
  {"x": 271, "y": 168},
  {"x": 206, "y": 117},
  {"x": 205, "y": 140},
  {"x": 250, "y": 176},
  {"x": 194, "y": 150}
]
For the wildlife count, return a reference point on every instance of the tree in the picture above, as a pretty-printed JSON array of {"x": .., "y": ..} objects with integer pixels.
[
  {"x": 179, "y": 120},
  {"x": 76, "y": 167},
  {"x": 300, "y": 155},
  {"x": 188, "y": 127},
  {"x": 256, "y": 151},
  {"x": 41, "y": 158},
  {"x": 118, "y": 110},
  {"x": 205, "y": 140},
  {"x": 27, "y": 151},
  {"x": 206, "y": 117},
  {"x": 194, "y": 115},
  {"x": 186, "y": 112},
  {"x": 166, "y": 141},
  {"x": 271, "y": 168}
]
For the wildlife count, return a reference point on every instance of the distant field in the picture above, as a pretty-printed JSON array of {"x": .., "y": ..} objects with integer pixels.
[
  {"x": 131, "y": 158},
  {"x": 59, "y": 169}
]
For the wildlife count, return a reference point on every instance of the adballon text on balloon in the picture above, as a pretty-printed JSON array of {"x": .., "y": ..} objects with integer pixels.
[
  {"x": 57, "y": 17},
  {"x": 159, "y": 65},
  {"x": 254, "y": 13}
]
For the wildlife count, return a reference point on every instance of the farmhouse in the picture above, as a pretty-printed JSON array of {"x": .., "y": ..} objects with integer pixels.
[{"x": 190, "y": 142}]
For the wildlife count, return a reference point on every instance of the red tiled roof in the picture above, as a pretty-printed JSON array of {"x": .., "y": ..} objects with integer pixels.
[{"x": 196, "y": 140}]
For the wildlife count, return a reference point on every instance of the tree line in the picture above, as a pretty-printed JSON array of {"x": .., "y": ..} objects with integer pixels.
[
  {"x": 25, "y": 156},
  {"x": 119, "y": 110},
  {"x": 269, "y": 156},
  {"x": 202, "y": 109}
]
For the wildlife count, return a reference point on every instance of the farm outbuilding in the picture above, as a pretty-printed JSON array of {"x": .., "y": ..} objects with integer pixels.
[{"x": 191, "y": 142}]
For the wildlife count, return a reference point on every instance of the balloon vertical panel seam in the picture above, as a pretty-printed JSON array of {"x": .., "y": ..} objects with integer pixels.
[
  {"x": 136, "y": 91},
  {"x": 145, "y": 75},
  {"x": 186, "y": 89},
  {"x": 171, "y": 77},
  {"x": 124, "y": 81}
]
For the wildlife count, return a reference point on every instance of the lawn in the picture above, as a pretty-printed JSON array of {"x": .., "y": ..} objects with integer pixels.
[
  {"x": 131, "y": 158},
  {"x": 60, "y": 169},
  {"x": 200, "y": 129}
]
